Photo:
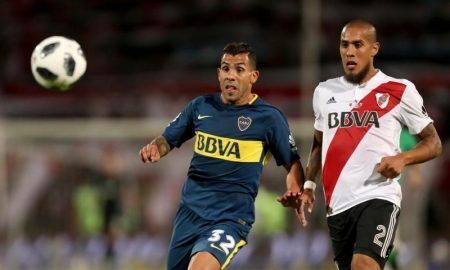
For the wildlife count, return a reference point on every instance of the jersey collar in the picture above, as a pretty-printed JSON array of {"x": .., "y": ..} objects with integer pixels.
[
  {"x": 253, "y": 99},
  {"x": 251, "y": 102},
  {"x": 375, "y": 78}
]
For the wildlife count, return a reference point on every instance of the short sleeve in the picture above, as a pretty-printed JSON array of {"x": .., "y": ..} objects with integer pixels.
[
  {"x": 412, "y": 111},
  {"x": 181, "y": 128},
  {"x": 281, "y": 141},
  {"x": 318, "y": 117}
]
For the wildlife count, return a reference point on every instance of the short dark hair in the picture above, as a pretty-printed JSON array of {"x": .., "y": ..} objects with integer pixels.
[
  {"x": 235, "y": 48},
  {"x": 364, "y": 24}
]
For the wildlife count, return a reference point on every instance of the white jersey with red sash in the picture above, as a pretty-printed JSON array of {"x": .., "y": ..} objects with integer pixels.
[{"x": 361, "y": 124}]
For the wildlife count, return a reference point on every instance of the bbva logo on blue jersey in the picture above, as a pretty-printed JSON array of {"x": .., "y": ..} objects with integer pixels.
[
  {"x": 353, "y": 118},
  {"x": 218, "y": 146},
  {"x": 228, "y": 148}
]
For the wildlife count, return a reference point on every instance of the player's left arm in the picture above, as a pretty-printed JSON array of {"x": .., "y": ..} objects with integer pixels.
[
  {"x": 282, "y": 145},
  {"x": 294, "y": 182},
  {"x": 429, "y": 147},
  {"x": 294, "y": 189}
]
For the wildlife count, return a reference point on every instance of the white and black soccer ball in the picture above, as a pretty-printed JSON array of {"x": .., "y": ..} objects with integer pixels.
[{"x": 58, "y": 62}]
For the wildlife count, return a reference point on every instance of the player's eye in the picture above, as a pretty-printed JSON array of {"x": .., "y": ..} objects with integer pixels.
[
  {"x": 358, "y": 45},
  {"x": 225, "y": 68},
  {"x": 344, "y": 44}
]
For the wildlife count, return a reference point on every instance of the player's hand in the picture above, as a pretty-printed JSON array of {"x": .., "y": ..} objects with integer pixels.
[
  {"x": 150, "y": 153},
  {"x": 290, "y": 199},
  {"x": 391, "y": 167},
  {"x": 307, "y": 199},
  {"x": 299, "y": 201}
]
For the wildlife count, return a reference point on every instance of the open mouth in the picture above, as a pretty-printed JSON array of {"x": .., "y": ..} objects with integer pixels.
[
  {"x": 230, "y": 87},
  {"x": 351, "y": 65}
]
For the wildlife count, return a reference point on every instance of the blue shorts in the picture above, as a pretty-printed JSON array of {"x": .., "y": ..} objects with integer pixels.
[{"x": 192, "y": 234}]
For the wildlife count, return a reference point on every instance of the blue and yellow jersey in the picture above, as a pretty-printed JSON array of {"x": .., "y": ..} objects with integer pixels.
[{"x": 232, "y": 143}]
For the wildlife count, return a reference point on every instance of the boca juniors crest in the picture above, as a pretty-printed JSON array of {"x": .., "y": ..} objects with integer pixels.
[
  {"x": 382, "y": 99},
  {"x": 244, "y": 123}
]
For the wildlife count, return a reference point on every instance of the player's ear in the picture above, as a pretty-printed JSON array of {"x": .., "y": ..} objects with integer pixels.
[
  {"x": 218, "y": 73},
  {"x": 254, "y": 76},
  {"x": 375, "y": 48}
]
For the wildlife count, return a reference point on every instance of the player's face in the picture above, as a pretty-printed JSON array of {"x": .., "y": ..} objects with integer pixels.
[
  {"x": 357, "y": 52},
  {"x": 236, "y": 77}
]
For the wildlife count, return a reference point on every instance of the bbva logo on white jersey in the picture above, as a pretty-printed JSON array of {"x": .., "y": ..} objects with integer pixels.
[{"x": 353, "y": 118}]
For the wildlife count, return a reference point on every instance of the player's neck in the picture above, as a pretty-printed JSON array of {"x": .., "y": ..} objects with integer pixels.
[
  {"x": 370, "y": 74},
  {"x": 243, "y": 101}
]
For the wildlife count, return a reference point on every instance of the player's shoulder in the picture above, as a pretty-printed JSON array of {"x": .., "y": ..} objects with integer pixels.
[
  {"x": 268, "y": 108},
  {"x": 262, "y": 104},
  {"x": 330, "y": 85},
  {"x": 400, "y": 81},
  {"x": 401, "y": 84},
  {"x": 328, "y": 89},
  {"x": 203, "y": 99},
  {"x": 331, "y": 81}
]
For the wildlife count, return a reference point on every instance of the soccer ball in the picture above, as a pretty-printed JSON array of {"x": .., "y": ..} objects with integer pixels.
[{"x": 58, "y": 62}]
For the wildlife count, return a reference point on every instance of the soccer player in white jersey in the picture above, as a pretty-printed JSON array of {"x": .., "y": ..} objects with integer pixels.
[{"x": 358, "y": 121}]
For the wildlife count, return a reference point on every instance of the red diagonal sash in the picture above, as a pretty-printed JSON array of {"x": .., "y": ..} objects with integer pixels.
[{"x": 347, "y": 139}]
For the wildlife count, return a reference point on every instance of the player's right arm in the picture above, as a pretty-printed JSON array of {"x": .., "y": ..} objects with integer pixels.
[
  {"x": 315, "y": 155},
  {"x": 155, "y": 150},
  {"x": 312, "y": 169},
  {"x": 315, "y": 158},
  {"x": 179, "y": 130}
]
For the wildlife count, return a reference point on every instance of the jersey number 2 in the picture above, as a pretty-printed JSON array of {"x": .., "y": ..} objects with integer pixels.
[
  {"x": 379, "y": 235},
  {"x": 225, "y": 245}
]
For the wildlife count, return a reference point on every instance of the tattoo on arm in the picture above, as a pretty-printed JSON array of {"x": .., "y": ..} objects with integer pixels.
[{"x": 162, "y": 144}]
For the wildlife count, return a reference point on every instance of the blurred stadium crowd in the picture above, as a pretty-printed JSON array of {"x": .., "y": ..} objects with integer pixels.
[{"x": 81, "y": 204}]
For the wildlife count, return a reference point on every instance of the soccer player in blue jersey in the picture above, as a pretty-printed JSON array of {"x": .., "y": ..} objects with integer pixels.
[{"x": 235, "y": 133}]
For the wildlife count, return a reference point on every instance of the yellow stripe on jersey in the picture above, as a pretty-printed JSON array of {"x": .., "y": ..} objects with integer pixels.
[
  {"x": 253, "y": 99},
  {"x": 267, "y": 158},
  {"x": 235, "y": 250},
  {"x": 228, "y": 149}
]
